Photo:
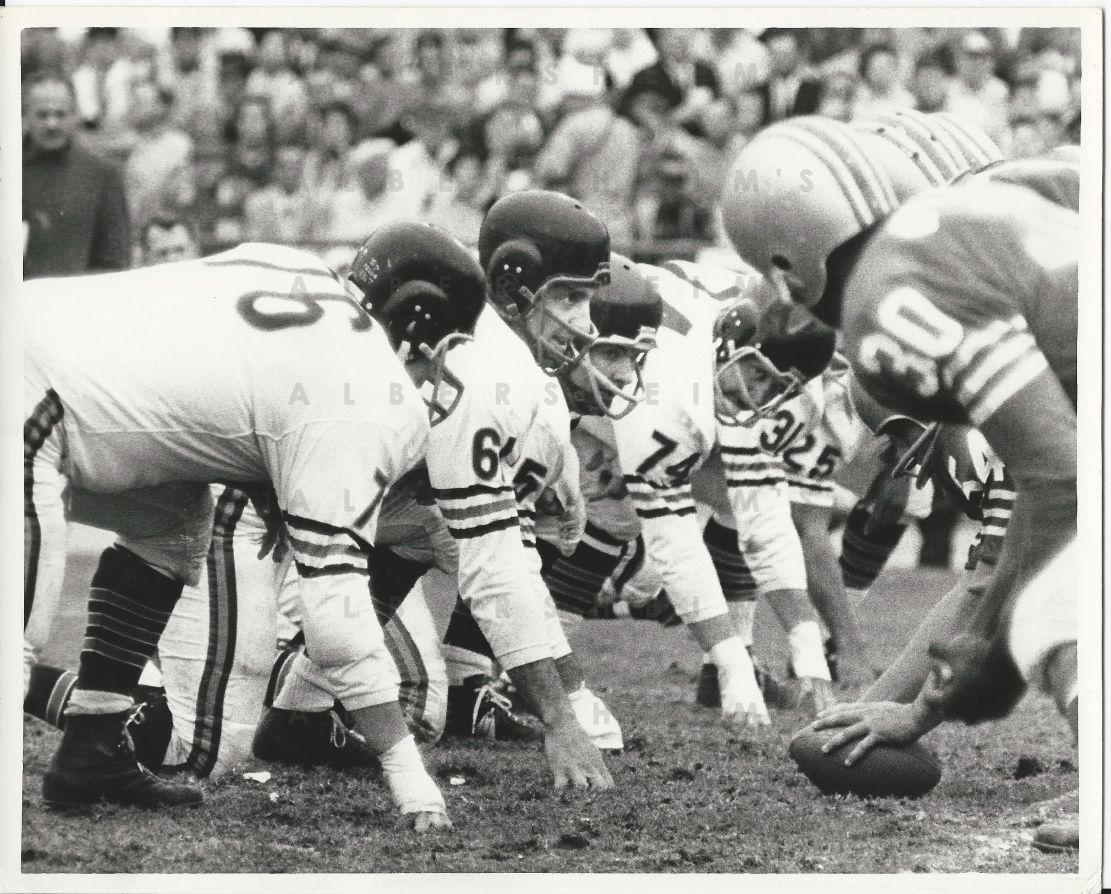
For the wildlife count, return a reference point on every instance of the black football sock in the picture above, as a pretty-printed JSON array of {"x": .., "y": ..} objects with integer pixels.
[
  {"x": 863, "y": 556},
  {"x": 463, "y": 632},
  {"x": 48, "y": 693},
  {"x": 575, "y": 581},
  {"x": 129, "y": 606}
]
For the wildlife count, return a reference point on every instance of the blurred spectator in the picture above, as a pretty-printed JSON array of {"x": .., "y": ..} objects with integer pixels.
[
  {"x": 159, "y": 149},
  {"x": 976, "y": 93},
  {"x": 742, "y": 61},
  {"x": 930, "y": 85},
  {"x": 630, "y": 50},
  {"x": 686, "y": 83},
  {"x": 511, "y": 135},
  {"x": 275, "y": 80},
  {"x": 90, "y": 81},
  {"x": 837, "y": 96},
  {"x": 276, "y": 213},
  {"x": 367, "y": 200},
  {"x": 593, "y": 153},
  {"x": 418, "y": 167},
  {"x": 791, "y": 89},
  {"x": 459, "y": 204},
  {"x": 436, "y": 76},
  {"x": 251, "y": 138},
  {"x": 249, "y": 158},
  {"x": 672, "y": 210},
  {"x": 74, "y": 204},
  {"x": 166, "y": 239},
  {"x": 879, "y": 87},
  {"x": 196, "y": 77}
]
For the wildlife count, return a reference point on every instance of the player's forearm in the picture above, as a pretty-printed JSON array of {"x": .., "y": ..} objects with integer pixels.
[
  {"x": 903, "y": 679},
  {"x": 823, "y": 575},
  {"x": 539, "y": 683}
]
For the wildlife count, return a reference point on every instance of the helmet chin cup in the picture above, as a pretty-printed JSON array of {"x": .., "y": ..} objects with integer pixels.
[{"x": 444, "y": 388}]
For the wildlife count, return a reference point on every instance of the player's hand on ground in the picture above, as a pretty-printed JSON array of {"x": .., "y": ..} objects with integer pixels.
[
  {"x": 431, "y": 821},
  {"x": 574, "y": 759},
  {"x": 873, "y": 723},
  {"x": 816, "y": 695}
]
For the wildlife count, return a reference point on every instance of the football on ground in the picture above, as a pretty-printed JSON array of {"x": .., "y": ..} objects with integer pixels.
[{"x": 904, "y": 771}]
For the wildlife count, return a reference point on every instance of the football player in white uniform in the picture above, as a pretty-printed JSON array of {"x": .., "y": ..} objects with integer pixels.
[
  {"x": 476, "y": 453},
  {"x": 637, "y": 481},
  {"x": 295, "y": 387}
]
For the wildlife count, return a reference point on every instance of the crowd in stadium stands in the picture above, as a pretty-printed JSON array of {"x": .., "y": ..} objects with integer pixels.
[{"x": 183, "y": 140}]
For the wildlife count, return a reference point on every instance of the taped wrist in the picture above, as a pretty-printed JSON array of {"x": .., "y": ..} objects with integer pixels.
[
  {"x": 807, "y": 654},
  {"x": 411, "y": 787}
]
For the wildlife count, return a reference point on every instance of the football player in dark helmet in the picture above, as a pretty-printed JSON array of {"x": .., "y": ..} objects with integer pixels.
[
  {"x": 606, "y": 376},
  {"x": 426, "y": 290},
  {"x": 545, "y": 257},
  {"x": 758, "y": 367}
]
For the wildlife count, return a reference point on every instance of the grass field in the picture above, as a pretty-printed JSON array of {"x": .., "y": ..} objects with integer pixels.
[{"x": 689, "y": 798}]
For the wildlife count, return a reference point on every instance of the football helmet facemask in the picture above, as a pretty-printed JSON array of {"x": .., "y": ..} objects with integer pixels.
[
  {"x": 606, "y": 378},
  {"x": 535, "y": 245},
  {"x": 756, "y": 373}
]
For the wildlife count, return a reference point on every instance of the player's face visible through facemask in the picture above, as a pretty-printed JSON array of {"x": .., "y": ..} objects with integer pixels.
[
  {"x": 559, "y": 324},
  {"x": 749, "y": 384},
  {"x": 430, "y": 372},
  {"x": 606, "y": 381}
]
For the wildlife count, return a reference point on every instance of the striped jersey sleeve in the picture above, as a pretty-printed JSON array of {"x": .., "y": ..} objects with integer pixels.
[{"x": 996, "y": 506}]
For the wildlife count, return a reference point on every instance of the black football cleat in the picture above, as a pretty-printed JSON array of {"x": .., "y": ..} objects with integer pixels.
[
  {"x": 708, "y": 693},
  {"x": 96, "y": 762},
  {"x": 777, "y": 694},
  {"x": 311, "y": 739},
  {"x": 150, "y": 726},
  {"x": 482, "y": 707}
]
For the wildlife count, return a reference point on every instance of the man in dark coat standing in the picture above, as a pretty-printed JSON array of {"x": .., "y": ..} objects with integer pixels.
[{"x": 74, "y": 208}]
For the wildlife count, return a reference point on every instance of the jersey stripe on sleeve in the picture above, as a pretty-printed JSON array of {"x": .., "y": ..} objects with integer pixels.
[
  {"x": 653, "y": 501},
  {"x": 478, "y": 509},
  {"x": 993, "y": 364},
  {"x": 750, "y": 467},
  {"x": 320, "y": 549}
]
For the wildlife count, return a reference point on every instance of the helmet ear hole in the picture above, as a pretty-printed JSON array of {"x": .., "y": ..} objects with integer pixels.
[
  {"x": 419, "y": 312},
  {"x": 514, "y": 264},
  {"x": 781, "y": 262}
]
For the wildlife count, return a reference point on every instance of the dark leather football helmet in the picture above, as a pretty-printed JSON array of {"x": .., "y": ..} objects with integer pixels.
[
  {"x": 784, "y": 348},
  {"x": 531, "y": 241},
  {"x": 426, "y": 290}
]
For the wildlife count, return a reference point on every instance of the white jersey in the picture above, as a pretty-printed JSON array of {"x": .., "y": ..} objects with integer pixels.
[
  {"x": 754, "y": 499},
  {"x": 471, "y": 461},
  {"x": 252, "y": 365}
]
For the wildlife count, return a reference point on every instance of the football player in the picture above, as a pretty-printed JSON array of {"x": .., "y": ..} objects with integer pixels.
[
  {"x": 637, "y": 482},
  {"x": 298, "y": 390},
  {"x": 501, "y": 393},
  {"x": 958, "y": 304}
]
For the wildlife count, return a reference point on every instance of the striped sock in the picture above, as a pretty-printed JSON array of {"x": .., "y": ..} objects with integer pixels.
[
  {"x": 864, "y": 555},
  {"x": 48, "y": 694},
  {"x": 736, "y": 579},
  {"x": 575, "y": 581},
  {"x": 129, "y": 606}
]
